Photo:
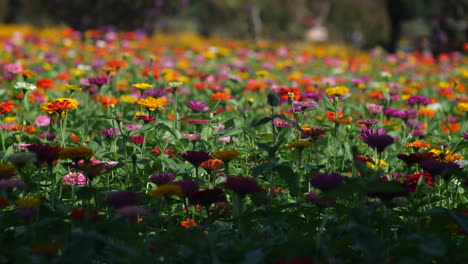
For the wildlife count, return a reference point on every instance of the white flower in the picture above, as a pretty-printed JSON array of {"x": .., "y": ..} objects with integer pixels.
[
  {"x": 25, "y": 86},
  {"x": 462, "y": 163}
]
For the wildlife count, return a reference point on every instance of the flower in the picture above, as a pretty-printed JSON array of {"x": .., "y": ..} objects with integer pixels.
[
  {"x": 28, "y": 202},
  {"x": 377, "y": 164},
  {"x": 376, "y": 138},
  {"x": 319, "y": 201},
  {"x": 168, "y": 190},
  {"x": 73, "y": 87},
  {"x": 75, "y": 178},
  {"x": 302, "y": 106},
  {"x": 280, "y": 123},
  {"x": 417, "y": 144},
  {"x": 3, "y": 203},
  {"x": 9, "y": 183},
  {"x": 99, "y": 81},
  {"x": 76, "y": 153},
  {"x": 188, "y": 223},
  {"x": 434, "y": 167},
  {"x": 191, "y": 137},
  {"x": 220, "y": 96},
  {"x": 327, "y": 181},
  {"x": 368, "y": 123},
  {"x": 110, "y": 132},
  {"x": 337, "y": 91},
  {"x": 188, "y": 186},
  {"x": 374, "y": 108},
  {"x": 146, "y": 119},
  {"x": 299, "y": 144},
  {"x": 226, "y": 155},
  {"x": 6, "y": 106},
  {"x": 211, "y": 164},
  {"x": 161, "y": 178},
  {"x": 462, "y": 106},
  {"x": 142, "y": 86},
  {"x": 45, "y": 83},
  {"x": 25, "y": 86},
  {"x": 121, "y": 199},
  {"x": 7, "y": 171},
  {"x": 131, "y": 212},
  {"x": 411, "y": 181},
  {"x": 207, "y": 197},
  {"x": 59, "y": 106},
  {"x": 45, "y": 153},
  {"x": 313, "y": 132},
  {"x": 197, "y": 106},
  {"x": 465, "y": 135},
  {"x": 153, "y": 103},
  {"x": 418, "y": 99},
  {"x": 20, "y": 159},
  {"x": 242, "y": 185},
  {"x": 196, "y": 157},
  {"x": 42, "y": 121}
]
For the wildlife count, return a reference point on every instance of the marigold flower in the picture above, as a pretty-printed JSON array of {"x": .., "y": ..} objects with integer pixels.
[
  {"x": 226, "y": 155},
  {"x": 28, "y": 202},
  {"x": 168, "y": 190},
  {"x": 76, "y": 153},
  {"x": 7, "y": 170},
  {"x": 153, "y": 103}
]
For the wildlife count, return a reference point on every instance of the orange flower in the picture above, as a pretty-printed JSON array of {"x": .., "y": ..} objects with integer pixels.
[
  {"x": 26, "y": 129},
  {"x": 453, "y": 127},
  {"x": 220, "y": 96},
  {"x": 63, "y": 77},
  {"x": 338, "y": 117},
  {"x": 418, "y": 144},
  {"x": 75, "y": 138},
  {"x": 284, "y": 93},
  {"x": 59, "y": 106},
  {"x": 187, "y": 223},
  {"x": 6, "y": 106},
  {"x": 45, "y": 83},
  {"x": 212, "y": 164},
  {"x": 108, "y": 102},
  {"x": 116, "y": 64}
]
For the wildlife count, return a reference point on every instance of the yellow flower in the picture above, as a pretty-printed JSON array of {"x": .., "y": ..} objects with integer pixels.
[
  {"x": 453, "y": 157},
  {"x": 142, "y": 86},
  {"x": 168, "y": 190},
  {"x": 28, "y": 202},
  {"x": 59, "y": 106},
  {"x": 76, "y": 153},
  {"x": 9, "y": 119},
  {"x": 337, "y": 91},
  {"x": 7, "y": 170},
  {"x": 299, "y": 144},
  {"x": 73, "y": 87},
  {"x": 126, "y": 98},
  {"x": 462, "y": 106},
  {"x": 377, "y": 164},
  {"x": 153, "y": 103},
  {"x": 262, "y": 73},
  {"x": 226, "y": 155}
]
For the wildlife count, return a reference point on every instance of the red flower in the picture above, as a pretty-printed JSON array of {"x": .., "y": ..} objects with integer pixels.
[
  {"x": 284, "y": 93},
  {"x": 137, "y": 139},
  {"x": 412, "y": 180},
  {"x": 6, "y": 106},
  {"x": 45, "y": 83}
]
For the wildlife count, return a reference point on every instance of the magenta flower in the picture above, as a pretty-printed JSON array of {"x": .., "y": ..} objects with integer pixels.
[
  {"x": 196, "y": 157},
  {"x": 161, "y": 178},
  {"x": 242, "y": 185},
  {"x": 75, "y": 178},
  {"x": 327, "y": 181},
  {"x": 197, "y": 106}
]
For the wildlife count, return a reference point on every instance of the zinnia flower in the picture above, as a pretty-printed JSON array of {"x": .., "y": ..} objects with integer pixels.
[
  {"x": 161, "y": 178},
  {"x": 226, "y": 155},
  {"x": 153, "y": 103},
  {"x": 337, "y": 91},
  {"x": 6, "y": 106},
  {"x": 168, "y": 190},
  {"x": 142, "y": 86},
  {"x": 121, "y": 199},
  {"x": 76, "y": 153},
  {"x": 319, "y": 201},
  {"x": 299, "y": 144},
  {"x": 59, "y": 106},
  {"x": 7, "y": 170},
  {"x": 327, "y": 181},
  {"x": 188, "y": 186},
  {"x": 132, "y": 212},
  {"x": 25, "y": 86},
  {"x": 242, "y": 185},
  {"x": 75, "y": 178},
  {"x": 207, "y": 197},
  {"x": 196, "y": 157},
  {"x": 197, "y": 106},
  {"x": 45, "y": 153}
]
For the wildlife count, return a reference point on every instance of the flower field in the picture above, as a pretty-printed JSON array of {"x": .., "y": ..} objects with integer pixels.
[{"x": 126, "y": 148}]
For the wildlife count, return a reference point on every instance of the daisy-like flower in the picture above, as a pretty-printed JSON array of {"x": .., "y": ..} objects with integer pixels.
[
  {"x": 6, "y": 106},
  {"x": 207, "y": 197},
  {"x": 168, "y": 190},
  {"x": 196, "y": 157},
  {"x": 417, "y": 144},
  {"x": 25, "y": 86},
  {"x": 161, "y": 178},
  {"x": 197, "y": 106},
  {"x": 462, "y": 106},
  {"x": 242, "y": 185},
  {"x": 327, "y": 181},
  {"x": 76, "y": 153},
  {"x": 7, "y": 171},
  {"x": 299, "y": 144},
  {"x": 336, "y": 91},
  {"x": 59, "y": 106},
  {"x": 153, "y": 103},
  {"x": 142, "y": 86},
  {"x": 226, "y": 155}
]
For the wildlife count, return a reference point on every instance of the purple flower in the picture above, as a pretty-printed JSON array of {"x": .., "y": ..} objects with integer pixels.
[
  {"x": 109, "y": 132},
  {"x": 417, "y": 99},
  {"x": 409, "y": 114},
  {"x": 242, "y": 185},
  {"x": 188, "y": 186},
  {"x": 196, "y": 157},
  {"x": 434, "y": 167},
  {"x": 7, "y": 184},
  {"x": 45, "y": 153},
  {"x": 368, "y": 123},
  {"x": 327, "y": 181},
  {"x": 312, "y": 96},
  {"x": 302, "y": 106},
  {"x": 161, "y": 178},
  {"x": 393, "y": 176},
  {"x": 365, "y": 132},
  {"x": 99, "y": 81},
  {"x": 391, "y": 112},
  {"x": 281, "y": 123},
  {"x": 120, "y": 199},
  {"x": 155, "y": 92},
  {"x": 197, "y": 106},
  {"x": 465, "y": 135},
  {"x": 414, "y": 124},
  {"x": 319, "y": 201},
  {"x": 379, "y": 142},
  {"x": 47, "y": 135},
  {"x": 131, "y": 212},
  {"x": 207, "y": 197}
]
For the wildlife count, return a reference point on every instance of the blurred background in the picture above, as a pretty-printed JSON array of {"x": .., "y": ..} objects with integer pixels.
[{"x": 428, "y": 25}]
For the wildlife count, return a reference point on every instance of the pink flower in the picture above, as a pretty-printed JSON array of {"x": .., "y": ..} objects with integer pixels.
[
  {"x": 374, "y": 108},
  {"x": 225, "y": 139},
  {"x": 192, "y": 137},
  {"x": 219, "y": 127},
  {"x": 13, "y": 68},
  {"x": 42, "y": 121},
  {"x": 75, "y": 178}
]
